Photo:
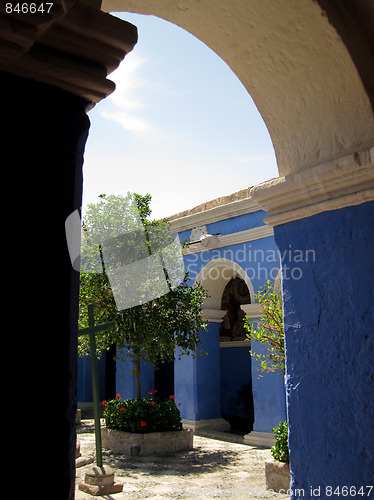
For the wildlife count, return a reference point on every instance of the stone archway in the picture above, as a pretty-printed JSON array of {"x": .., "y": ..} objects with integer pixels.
[
  {"x": 295, "y": 65},
  {"x": 308, "y": 66},
  {"x": 230, "y": 289},
  {"x": 214, "y": 276}
]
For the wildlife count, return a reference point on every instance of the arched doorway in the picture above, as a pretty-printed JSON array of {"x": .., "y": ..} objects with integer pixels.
[
  {"x": 236, "y": 391},
  {"x": 229, "y": 288}
]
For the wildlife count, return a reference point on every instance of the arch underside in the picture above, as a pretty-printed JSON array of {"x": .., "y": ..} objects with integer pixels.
[{"x": 294, "y": 64}]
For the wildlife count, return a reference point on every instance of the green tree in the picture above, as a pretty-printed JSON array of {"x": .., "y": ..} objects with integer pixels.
[
  {"x": 149, "y": 331},
  {"x": 268, "y": 330}
]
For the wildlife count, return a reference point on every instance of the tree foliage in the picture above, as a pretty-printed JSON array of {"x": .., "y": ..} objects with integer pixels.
[
  {"x": 268, "y": 330},
  {"x": 153, "y": 330}
]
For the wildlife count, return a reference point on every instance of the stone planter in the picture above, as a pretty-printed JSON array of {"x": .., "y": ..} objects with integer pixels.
[
  {"x": 277, "y": 476},
  {"x": 152, "y": 443}
]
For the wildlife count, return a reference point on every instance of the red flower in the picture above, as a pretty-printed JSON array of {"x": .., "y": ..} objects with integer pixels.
[
  {"x": 143, "y": 424},
  {"x": 122, "y": 408},
  {"x": 179, "y": 404},
  {"x": 104, "y": 402},
  {"x": 155, "y": 391},
  {"x": 172, "y": 397},
  {"x": 153, "y": 403},
  {"x": 150, "y": 392},
  {"x": 118, "y": 395}
]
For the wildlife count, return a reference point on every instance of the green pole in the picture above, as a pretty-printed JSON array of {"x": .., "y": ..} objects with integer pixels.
[
  {"x": 91, "y": 331},
  {"x": 95, "y": 387}
]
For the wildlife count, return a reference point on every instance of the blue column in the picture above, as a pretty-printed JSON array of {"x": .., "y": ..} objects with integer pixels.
[
  {"x": 197, "y": 381},
  {"x": 328, "y": 289},
  {"x": 269, "y": 398}
]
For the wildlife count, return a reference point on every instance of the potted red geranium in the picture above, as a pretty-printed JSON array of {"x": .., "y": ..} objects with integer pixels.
[{"x": 144, "y": 427}]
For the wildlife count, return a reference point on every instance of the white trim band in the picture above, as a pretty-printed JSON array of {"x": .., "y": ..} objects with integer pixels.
[
  {"x": 332, "y": 185},
  {"x": 256, "y": 233},
  {"x": 222, "y": 212}
]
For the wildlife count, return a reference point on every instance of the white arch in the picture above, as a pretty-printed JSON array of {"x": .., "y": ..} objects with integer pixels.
[
  {"x": 293, "y": 63},
  {"x": 215, "y": 275}
]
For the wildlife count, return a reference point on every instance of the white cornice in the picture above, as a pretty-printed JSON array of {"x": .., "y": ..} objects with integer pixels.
[
  {"x": 216, "y": 315},
  {"x": 233, "y": 209},
  {"x": 332, "y": 185},
  {"x": 213, "y": 315},
  {"x": 256, "y": 233}
]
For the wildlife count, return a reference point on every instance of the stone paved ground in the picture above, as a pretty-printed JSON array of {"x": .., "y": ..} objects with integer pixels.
[{"x": 213, "y": 469}]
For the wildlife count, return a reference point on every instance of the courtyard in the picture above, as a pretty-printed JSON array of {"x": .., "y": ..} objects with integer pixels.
[{"x": 213, "y": 469}]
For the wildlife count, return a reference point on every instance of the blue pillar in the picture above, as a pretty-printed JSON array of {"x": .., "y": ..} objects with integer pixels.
[
  {"x": 197, "y": 381},
  {"x": 328, "y": 290},
  {"x": 269, "y": 397},
  {"x": 185, "y": 387}
]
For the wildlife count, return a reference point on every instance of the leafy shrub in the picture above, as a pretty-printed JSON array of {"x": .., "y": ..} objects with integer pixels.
[
  {"x": 268, "y": 330},
  {"x": 280, "y": 450},
  {"x": 141, "y": 416}
]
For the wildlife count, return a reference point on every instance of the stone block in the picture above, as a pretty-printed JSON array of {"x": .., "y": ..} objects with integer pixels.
[
  {"x": 153, "y": 443},
  {"x": 99, "y": 490},
  {"x": 100, "y": 481},
  {"x": 277, "y": 476},
  {"x": 100, "y": 475}
]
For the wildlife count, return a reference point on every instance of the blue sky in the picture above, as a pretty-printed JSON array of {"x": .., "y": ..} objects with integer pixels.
[{"x": 180, "y": 125}]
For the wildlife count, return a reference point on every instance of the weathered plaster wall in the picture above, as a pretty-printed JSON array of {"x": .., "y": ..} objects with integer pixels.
[
  {"x": 328, "y": 316},
  {"x": 293, "y": 63}
]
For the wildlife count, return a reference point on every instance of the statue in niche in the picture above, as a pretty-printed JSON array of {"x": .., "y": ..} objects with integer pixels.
[{"x": 235, "y": 294}]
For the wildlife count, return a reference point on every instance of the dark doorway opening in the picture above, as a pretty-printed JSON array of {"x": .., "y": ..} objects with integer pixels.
[
  {"x": 110, "y": 372},
  {"x": 236, "y": 378},
  {"x": 164, "y": 380}
]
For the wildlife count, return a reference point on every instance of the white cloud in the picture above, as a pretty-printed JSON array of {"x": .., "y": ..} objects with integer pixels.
[
  {"x": 252, "y": 158},
  {"x": 125, "y": 99}
]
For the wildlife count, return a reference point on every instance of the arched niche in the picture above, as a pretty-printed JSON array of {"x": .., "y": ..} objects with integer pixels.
[
  {"x": 235, "y": 295},
  {"x": 215, "y": 276}
]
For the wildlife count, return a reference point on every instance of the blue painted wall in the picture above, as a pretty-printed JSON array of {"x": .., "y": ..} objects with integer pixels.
[
  {"x": 197, "y": 381},
  {"x": 260, "y": 260},
  {"x": 269, "y": 395},
  {"x": 84, "y": 386},
  {"x": 330, "y": 349},
  {"x": 208, "y": 375},
  {"x": 185, "y": 386},
  {"x": 219, "y": 376},
  {"x": 125, "y": 379}
]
